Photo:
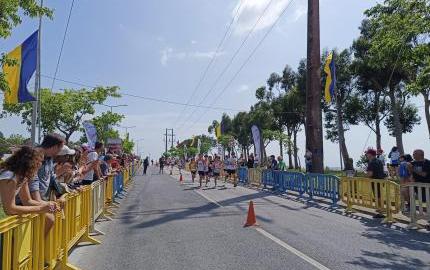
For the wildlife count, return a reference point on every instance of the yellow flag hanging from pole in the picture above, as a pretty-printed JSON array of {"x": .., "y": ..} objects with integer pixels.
[{"x": 330, "y": 83}]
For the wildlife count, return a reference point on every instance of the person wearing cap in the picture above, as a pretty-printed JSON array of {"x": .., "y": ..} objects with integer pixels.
[{"x": 375, "y": 170}]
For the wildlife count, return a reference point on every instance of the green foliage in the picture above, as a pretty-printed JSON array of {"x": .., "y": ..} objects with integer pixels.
[
  {"x": 408, "y": 118},
  {"x": 127, "y": 144},
  {"x": 12, "y": 10},
  {"x": 12, "y": 141},
  {"x": 104, "y": 124},
  {"x": 63, "y": 111}
]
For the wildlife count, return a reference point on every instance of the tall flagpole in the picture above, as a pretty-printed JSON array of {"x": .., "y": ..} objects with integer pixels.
[
  {"x": 36, "y": 104},
  {"x": 39, "y": 107}
]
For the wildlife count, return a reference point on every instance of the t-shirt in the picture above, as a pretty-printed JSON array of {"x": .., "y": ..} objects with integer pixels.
[
  {"x": 217, "y": 166},
  {"x": 403, "y": 170},
  {"x": 193, "y": 166},
  {"x": 43, "y": 178},
  {"x": 201, "y": 165},
  {"x": 92, "y": 156},
  {"x": 421, "y": 166},
  {"x": 377, "y": 168},
  {"x": 394, "y": 156},
  {"x": 8, "y": 175},
  {"x": 250, "y": 163}
]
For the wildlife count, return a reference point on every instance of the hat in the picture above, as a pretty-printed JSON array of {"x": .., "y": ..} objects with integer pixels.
[
  {"x": 66, "y": 151},
  {"x": 371, "y": 152}
]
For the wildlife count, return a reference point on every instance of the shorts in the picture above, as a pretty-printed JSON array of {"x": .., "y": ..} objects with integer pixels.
[
  {"x": 230, "y": 172},
  {"x": 215, "y": 173},
  {"x": 201, "y": 173}
]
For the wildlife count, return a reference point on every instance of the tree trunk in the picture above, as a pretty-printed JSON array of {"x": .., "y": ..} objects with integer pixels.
[
  {"x": 290, "y": 151},
  {"x": 296, "y": 161},
  {"x": 378, "y": 133},
  {"x": 341, "y": 136},
  {"x": 427, "y": 109},
  {"x": 396, "y": 117}
]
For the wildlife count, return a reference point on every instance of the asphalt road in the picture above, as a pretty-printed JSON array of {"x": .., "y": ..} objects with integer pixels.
[{"x": 164, "y": 225}]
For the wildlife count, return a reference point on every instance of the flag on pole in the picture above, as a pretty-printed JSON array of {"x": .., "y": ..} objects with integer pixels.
[
  {"x": 330, "y": 83},
  {"x": 218, "y": 131},
  {"x": 18, "y": 75}
]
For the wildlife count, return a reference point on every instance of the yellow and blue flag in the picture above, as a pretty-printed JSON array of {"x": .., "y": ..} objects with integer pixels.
[
  {"x": 330, "y": 83},
  {"x": 18, "y": 76}
]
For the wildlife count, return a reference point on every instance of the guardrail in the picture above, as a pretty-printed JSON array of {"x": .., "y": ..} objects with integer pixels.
[
  {"x": 23, "y": 244},
  {"x": 419, "y": 202},
  {"x": 381, "y": 195},
  {"x": 323, "y": 185},
  {"x": 243, "y": 175}
]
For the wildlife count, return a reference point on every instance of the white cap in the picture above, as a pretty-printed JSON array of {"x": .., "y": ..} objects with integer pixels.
[{"x": 66, "y": 151}]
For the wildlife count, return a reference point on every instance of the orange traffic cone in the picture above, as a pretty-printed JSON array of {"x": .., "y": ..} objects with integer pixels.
[{"x": 251, "y": 220}]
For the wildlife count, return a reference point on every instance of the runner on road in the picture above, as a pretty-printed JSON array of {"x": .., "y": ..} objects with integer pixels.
[
  {"x": 161, "y": 163},
  {"x": 233, "y": 168},
  {"x": 201, "y": 164},
  {"x": 217, "y": 166},
  {"x": 193, "y": 168}
]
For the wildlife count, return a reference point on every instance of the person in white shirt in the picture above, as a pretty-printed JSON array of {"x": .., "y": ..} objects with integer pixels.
[{"x": 92, "y": 168}]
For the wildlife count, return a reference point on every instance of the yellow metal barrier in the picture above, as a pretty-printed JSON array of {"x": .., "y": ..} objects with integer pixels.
[
  {"x": 25, "y": 247},
  {"x": 419, "y": 196},
  {"x": 379, "y": 194},
  {"x": 254, "y": 176}
]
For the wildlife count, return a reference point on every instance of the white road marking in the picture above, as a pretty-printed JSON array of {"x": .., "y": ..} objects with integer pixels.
[
  {"x": 208, "y": 198},
  {"x": 278, "y": 241},
  {"x": 292, "y": 250}
]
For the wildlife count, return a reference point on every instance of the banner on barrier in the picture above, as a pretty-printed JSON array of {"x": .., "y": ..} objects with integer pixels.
[{"x": 256, "y": 135}]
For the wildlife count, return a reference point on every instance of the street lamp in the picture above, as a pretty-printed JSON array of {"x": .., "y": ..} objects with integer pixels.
[
  {"x": 114, "y": 106},
  {"x": 126, "y": 129},
  {"x": 137, "y": 146}
]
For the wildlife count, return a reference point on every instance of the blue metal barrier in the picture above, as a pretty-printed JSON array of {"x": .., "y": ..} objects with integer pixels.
[
  {"x": 293, "y": 181},
  {"x": 243, "y": 175},
  {"x": 267, "y": 178},
  {"x": 323, "y": 185}
]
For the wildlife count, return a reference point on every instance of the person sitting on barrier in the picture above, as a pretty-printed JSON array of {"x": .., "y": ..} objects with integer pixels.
[
  {"x": 281, "y": 164},
  {"x": 375, "y": 170},
  {"x": 15, "y": 173},
  {"x": 405, "y": 169}
]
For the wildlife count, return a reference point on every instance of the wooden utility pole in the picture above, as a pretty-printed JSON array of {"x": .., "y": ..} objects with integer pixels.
[{"x": 314, "y": 132}]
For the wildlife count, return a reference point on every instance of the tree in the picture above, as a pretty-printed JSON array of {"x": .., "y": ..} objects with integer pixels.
[
  {"x": 342, "y": 113},
  {"x": 104, "y": 124},
  {"x": 63, "y": 111},
  {"x": 13, "y": 141},
  {"x": 127, "y": 144},
  {"x": 395, "y": 30},
  {"x": 408, "y": 119}
]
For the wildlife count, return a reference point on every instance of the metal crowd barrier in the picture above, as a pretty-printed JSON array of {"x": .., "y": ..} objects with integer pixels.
[
  {"x": 255, "y": 176},
  {"x": 419, "y": 197},
  {"x": 379, "y": 194},
  {"x": 323, "y": 185},
  {"x": 243, "y": 175},
  {"x": 24, "y": 246}
]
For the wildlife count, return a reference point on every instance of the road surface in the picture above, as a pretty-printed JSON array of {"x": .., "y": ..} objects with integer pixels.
[{"x": 164, "y": 225}]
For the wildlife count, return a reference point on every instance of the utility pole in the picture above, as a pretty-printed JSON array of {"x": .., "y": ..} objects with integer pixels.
[
  {"x": 314, "y": 132},
  {"x": 169, "y": 136},
  {"x": 166, "y": 140}
]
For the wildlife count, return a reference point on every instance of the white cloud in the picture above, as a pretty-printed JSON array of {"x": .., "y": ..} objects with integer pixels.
[
  {"x": 243, "y": 88},
  {"x": 169, "y": 53},
  {"x": 193, "y": 42},
  {"x": 251, "y": 10}
]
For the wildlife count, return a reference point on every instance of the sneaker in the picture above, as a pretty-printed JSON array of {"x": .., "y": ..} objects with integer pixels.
[{"x": 379, "y": 215}]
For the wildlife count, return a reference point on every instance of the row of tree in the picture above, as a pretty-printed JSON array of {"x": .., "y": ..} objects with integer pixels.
[{"x": 376, "y": 77}]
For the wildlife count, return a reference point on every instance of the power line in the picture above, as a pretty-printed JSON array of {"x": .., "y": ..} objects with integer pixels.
[
  {"x": 229, "y": 63},
  {"x": 148, "y": 98},
  {"x": 212, "y": 61},
  {"x": 246, "y": 61},
  {"x": 62, "y": 44}
]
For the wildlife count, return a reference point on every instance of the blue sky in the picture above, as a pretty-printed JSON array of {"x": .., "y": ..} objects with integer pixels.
[{"x": 160, "y": 49}]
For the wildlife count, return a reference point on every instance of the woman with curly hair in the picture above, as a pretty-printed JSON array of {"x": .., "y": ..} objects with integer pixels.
[{"x": 15, "y": 173}]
